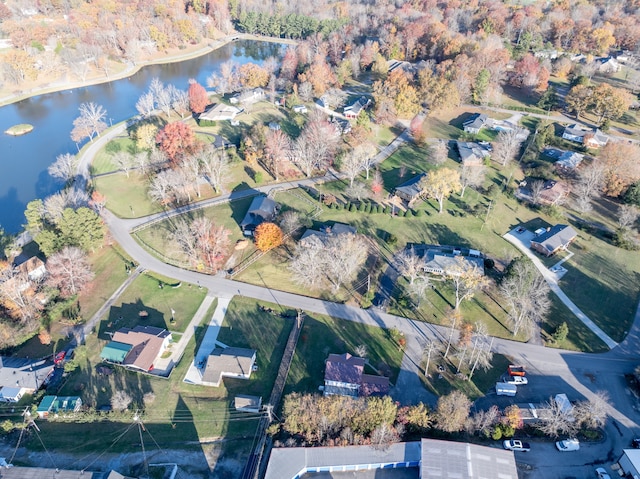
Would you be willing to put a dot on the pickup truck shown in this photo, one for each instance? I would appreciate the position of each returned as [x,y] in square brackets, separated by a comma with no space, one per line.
[515,445]
[516,370]
[517,380]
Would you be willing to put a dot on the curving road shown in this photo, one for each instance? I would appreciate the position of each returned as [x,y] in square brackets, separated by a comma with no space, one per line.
[551,370]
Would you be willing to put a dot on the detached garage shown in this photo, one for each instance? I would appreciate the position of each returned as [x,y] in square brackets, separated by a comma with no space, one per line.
[630,463]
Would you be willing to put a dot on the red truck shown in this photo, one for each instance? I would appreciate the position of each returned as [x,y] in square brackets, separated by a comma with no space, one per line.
[516,370]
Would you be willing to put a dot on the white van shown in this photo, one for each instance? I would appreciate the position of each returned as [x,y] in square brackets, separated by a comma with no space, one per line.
[506,389]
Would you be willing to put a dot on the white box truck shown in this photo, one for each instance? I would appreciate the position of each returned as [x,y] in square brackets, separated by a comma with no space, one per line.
[506,389]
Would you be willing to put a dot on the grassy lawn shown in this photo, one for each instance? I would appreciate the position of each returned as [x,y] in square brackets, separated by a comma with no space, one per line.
[322,335]
[181,413]
[158,237]
[448,124]
[446,381]
[126,197]
[144,294]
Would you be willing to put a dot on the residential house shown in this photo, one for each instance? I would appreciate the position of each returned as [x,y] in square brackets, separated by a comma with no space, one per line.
[262,209]
[247,403]
[445,260]
[629,463]
[568,160]
[590,138]
[318,238]
[219,112]
[137,348]
[20,376]
[429,458]
[342,126]
[300,109]
[608,65]
[552,192]
[344,375]
[56,405]
[230,363]
[353,110]
[248,97]
[475,123]
[410,190]
[33,267]
[505,125]
[554,239]
[473,154]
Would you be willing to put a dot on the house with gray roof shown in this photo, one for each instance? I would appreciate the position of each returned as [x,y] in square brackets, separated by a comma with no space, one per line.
[431,458]
[475,123]
[444,260]
[230,363]
[319,238]
[353,110]
[410,190]
[569,160]
[20,376]
[471,153]
[593,138]
[554,239]
[262,209]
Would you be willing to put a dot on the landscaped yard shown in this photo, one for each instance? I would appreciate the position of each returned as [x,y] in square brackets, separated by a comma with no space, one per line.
[322,335]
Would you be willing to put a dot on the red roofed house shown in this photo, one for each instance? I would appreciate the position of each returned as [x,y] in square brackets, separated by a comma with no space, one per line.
[344,375]
[148,342]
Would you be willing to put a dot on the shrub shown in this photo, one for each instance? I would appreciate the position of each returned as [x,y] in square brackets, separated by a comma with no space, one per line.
[258,177]
[401,213]
[489,263]
[418,213]
[496,435]
[392,239]
[352,207]
[367,208]
[561,332]
[386,210]
[362,206]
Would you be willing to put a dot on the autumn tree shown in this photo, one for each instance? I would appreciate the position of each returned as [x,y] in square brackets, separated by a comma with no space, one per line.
[19,301]
[608,102]
[203,242]
[69,270]
[440,184]
[198,97]
[622,166]
[18,66]
[277,150]
[398,90]
[253,76]
[452,412]
[526,295]
[175,140]
[145,136]
[578,99]
[268,236]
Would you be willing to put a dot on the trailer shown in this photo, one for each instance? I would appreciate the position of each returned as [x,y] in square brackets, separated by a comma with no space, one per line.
[506,389]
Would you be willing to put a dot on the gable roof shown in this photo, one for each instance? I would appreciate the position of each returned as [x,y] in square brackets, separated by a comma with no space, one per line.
[471,152]
[411,187]
[556,237]
[318,238]
[262,209]
[574,130]
[23,373]
[56,403]
[344,368]
[569,160]
[223,361]
[475,121]
[219,112]
[146,341]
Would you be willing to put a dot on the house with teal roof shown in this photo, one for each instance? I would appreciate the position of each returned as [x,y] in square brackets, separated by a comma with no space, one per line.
[58,405]
[115,352]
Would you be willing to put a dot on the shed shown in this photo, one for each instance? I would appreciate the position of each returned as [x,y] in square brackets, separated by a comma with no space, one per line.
[247,403]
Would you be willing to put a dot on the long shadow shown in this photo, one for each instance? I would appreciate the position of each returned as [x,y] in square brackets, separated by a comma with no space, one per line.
[129,315]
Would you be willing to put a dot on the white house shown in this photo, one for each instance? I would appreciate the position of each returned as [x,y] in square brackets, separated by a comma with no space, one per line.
[220,112]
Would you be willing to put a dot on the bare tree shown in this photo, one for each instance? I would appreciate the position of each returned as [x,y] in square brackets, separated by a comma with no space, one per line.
[627,216]
[92,118]
[358,191]
[526,295]
[277,150]
[431,348]
[307,266]
[482,421]
[163,99]
[160,189]
[353,163]
[452,411]
[123,161]
[437,153]
[506,146]
[17,295]
[64,167]
[481,354]
[316,145]
[185,239]
[383,436]
[141,161]
[69,270]
[290,221]
[466,279]
[146,104]
[471,175]
[558,420]
[592,413]
[215,163]
[361,351]
[410,264]
[589,184]
[419,288]
[179,101]
[537,187]
[120,400]
[345,254]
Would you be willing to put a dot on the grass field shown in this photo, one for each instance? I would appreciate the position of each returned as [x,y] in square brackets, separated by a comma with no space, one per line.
[322,335]
[180,415]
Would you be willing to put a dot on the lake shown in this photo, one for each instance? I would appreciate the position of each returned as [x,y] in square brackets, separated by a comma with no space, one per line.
[24,159]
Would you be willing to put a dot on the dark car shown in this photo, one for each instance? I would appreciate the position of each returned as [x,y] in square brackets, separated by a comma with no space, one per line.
[635,443]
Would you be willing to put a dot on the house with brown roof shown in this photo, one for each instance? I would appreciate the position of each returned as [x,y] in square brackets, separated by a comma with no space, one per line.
[554,239]
[137,348]
[344,376]
[229,363]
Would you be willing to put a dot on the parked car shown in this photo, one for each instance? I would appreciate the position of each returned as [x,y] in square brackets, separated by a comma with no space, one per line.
[602,473]
[568,445]
[59,358]
[635,443]
[300,109]
[517,380]
[515,445]
[514,370]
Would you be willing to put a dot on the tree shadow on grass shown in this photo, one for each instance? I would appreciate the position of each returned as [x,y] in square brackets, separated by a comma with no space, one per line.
[129,315]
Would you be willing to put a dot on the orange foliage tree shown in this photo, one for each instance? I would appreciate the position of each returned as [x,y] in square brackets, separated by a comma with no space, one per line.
[268,236]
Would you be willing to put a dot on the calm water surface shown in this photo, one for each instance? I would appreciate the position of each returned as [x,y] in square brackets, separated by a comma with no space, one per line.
[24,159]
